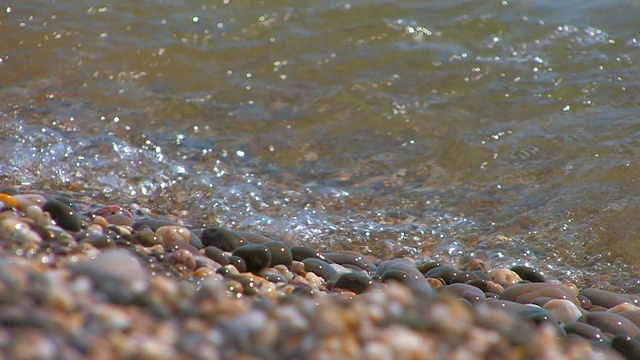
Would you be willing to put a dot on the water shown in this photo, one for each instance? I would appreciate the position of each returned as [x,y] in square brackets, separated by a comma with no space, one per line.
[436,130]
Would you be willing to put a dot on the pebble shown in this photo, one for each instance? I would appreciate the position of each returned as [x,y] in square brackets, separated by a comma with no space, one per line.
[627,346]
[528,273]
[320,268]
[355,282]
[117,273]
[505,277]
[8,200]
[445,272]
[585,331]
[238,263]
[605,298]
[299,253]
[564,310]
[173,233]
[280,253]
[223,239]
[351,258]
[63,215]
[526,292]
[216,255]
[611,323]
[26,200]
[255,256]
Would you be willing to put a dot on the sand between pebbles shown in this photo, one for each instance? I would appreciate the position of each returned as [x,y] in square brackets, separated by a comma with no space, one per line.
[113,282]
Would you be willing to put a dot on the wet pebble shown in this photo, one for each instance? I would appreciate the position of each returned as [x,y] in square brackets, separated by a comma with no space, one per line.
[564,310]
[633,315]
[216,255]
[611,323]
[605,298]
[26,200]
[320,268]
[356,282]
[173,233]
[465,291]
[273,276]
[627,346]
[117,273]
[146,237]
[351,258]
[223,239]
[445,272]
[528,273]
[256,256]
[526,292]
[299,253]
[238,263]
[505,277]
[280,253]
[63,215]
[585,331]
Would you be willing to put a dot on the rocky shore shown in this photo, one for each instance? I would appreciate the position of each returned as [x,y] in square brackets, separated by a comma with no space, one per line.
[116,282]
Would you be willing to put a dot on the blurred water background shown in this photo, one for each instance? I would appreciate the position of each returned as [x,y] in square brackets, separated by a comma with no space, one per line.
[505,130]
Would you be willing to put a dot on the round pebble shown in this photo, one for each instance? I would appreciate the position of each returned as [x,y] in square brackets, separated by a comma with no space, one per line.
[256,256]
[223,239]
[216,255]
[445,272]
[356,282]
[280,253]
[320,268]
[611,323]
[564,310]
[63,215]
[117,273]
[528,273]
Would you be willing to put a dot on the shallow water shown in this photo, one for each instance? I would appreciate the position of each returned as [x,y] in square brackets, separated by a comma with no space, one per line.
[437,130]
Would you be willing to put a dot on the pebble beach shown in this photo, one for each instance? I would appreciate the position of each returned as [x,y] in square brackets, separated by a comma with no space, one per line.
[118,282]
[346,179]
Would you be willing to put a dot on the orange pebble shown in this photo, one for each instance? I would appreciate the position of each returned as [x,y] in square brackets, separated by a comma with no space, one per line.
[204,272]
[8,200]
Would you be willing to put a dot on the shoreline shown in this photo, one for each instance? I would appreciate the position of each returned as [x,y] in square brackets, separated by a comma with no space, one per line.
[113,283]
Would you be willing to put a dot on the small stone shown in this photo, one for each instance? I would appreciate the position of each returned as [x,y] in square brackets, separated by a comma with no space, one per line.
[356,282]
[445,272]
[8,200]
[146,237]
[119,219]
[505,277]
[584,331]
[606,298]
[173,233]
[280,253]
[183,256]
[238,263]
[627,346]
[564,310]
[273,276]
[117,273]
[320,268]
[216,255]
[299,253]
[528,273]
[26,200]
[611,323]
[64,216]
[525,293]
[223,239]
[351,258]
[256,256]
[622,308]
